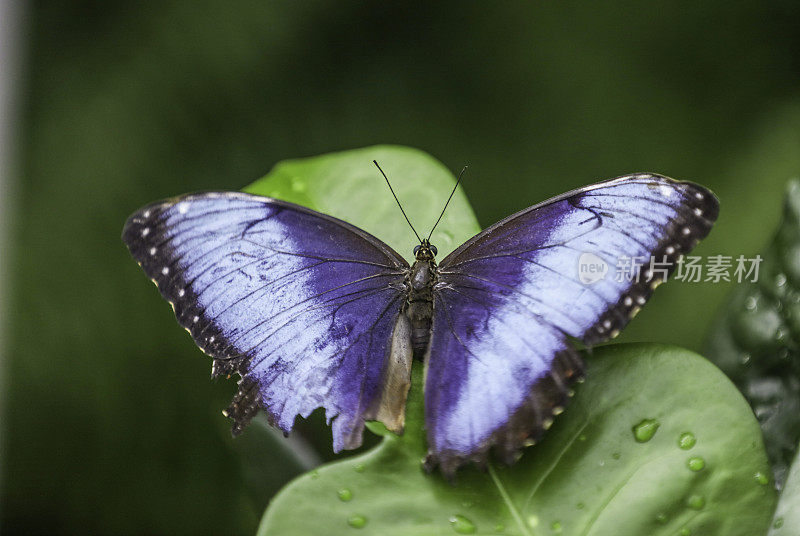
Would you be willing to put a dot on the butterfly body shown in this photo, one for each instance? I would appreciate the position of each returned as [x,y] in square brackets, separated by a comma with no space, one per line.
[421,280]
[311,311]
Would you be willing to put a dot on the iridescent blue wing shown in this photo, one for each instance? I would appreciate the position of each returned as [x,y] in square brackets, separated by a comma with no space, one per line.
[301,305]
[507,301]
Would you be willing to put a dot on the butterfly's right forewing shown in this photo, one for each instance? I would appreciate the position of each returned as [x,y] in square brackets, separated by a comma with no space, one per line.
[507,302]
[304,307]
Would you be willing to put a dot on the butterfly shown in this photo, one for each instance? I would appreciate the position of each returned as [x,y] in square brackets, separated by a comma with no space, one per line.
[311,311]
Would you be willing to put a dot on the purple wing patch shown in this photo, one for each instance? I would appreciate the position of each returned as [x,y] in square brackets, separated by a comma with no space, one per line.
[301,305]
[506,302]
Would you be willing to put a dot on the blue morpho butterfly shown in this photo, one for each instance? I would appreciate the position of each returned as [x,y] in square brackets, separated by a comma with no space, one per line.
[313,312]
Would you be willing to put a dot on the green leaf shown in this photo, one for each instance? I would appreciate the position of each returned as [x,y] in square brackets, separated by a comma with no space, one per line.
[756,339]
[589,476]
[787,516]
[347,185]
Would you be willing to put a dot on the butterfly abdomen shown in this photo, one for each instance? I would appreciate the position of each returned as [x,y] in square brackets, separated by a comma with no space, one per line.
[419,305]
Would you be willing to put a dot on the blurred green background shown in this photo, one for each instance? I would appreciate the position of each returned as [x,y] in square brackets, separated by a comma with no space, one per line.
[110,422]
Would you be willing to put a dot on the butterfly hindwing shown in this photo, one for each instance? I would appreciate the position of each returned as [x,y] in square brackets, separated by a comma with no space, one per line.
[304,307]
[507,301]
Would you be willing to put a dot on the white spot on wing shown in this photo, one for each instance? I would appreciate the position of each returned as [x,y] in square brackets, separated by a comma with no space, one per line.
[183,208]
[146,231]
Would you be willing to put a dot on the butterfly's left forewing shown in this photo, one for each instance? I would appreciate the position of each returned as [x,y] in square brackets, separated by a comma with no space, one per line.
[506,303]
[301,305]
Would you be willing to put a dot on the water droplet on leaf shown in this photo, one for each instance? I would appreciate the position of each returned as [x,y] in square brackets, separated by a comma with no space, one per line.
[645,430]
[696,502]
[616,455]
[462,525]
[556,526]
[778,523]
[357,521]
[696,463]
[687,440]
[662,518]
[344,494]
[761,478]
[359,468]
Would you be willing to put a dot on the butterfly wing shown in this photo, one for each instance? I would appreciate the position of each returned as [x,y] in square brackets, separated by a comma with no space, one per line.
[506,302]
[304,307]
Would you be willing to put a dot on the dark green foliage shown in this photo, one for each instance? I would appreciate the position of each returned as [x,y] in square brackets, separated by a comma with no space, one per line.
[756,339]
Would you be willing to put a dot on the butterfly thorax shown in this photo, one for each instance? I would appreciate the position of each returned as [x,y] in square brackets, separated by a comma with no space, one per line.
[419,298]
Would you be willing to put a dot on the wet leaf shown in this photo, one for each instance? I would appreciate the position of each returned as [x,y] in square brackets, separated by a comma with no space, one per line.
[589,476]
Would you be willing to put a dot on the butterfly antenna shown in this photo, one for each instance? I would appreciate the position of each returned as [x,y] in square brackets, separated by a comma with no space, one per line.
[458,181]
[395,198]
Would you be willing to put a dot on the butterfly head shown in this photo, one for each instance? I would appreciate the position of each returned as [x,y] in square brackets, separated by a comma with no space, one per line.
[425,251]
